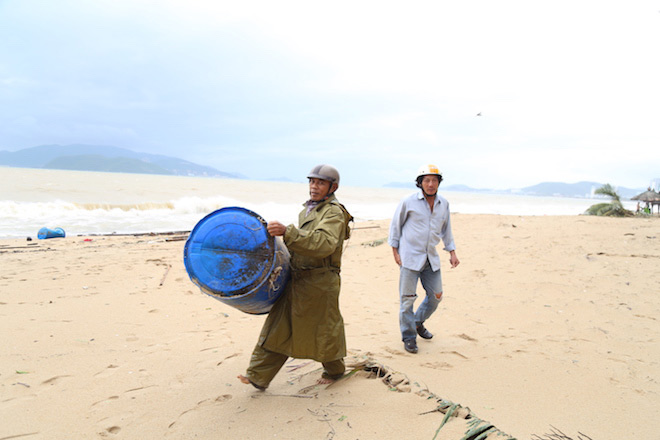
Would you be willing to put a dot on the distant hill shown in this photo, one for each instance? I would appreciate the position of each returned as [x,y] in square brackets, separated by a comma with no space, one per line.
[546,189]
[105,158]
[94,162]
[400,185]
[580,189]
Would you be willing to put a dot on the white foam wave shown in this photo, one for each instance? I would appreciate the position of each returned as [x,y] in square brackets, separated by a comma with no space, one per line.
[20,219]
[26,218]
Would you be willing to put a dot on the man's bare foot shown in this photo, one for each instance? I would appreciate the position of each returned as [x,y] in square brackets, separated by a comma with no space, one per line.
[247,381]
[324,381]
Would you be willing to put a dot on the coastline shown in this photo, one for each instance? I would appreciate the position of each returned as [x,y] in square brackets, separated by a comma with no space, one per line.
[548,321]
[89,203]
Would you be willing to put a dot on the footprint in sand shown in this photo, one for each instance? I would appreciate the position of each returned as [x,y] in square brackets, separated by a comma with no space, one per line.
[393,351]
[455,353]
[438,365]
[105,400]
[227,357]
[220,399]
[109,371]
[53,380]
[479,273]
[112,425]
[113,430]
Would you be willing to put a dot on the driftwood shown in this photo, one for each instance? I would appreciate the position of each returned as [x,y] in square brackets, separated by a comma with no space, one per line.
[137,234]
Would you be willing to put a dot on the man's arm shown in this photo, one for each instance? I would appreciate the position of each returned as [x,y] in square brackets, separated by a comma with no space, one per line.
[396,225]
[397,257]
[453,259]
[322,240]
[275,228]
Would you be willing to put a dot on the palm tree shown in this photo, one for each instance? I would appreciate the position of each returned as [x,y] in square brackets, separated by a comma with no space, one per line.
[613,209]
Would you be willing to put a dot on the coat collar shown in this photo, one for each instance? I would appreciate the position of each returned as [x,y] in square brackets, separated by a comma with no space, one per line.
[312,214]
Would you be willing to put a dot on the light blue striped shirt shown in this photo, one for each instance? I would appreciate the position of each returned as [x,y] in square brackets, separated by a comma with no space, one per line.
[416,231]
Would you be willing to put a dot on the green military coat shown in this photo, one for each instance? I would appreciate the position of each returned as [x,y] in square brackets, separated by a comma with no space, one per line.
[305,322]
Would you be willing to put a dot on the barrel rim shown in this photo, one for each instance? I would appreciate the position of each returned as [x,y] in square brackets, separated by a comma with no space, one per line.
[188,264]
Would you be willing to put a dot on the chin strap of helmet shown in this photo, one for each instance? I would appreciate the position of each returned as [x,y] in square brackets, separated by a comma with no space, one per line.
[330,191]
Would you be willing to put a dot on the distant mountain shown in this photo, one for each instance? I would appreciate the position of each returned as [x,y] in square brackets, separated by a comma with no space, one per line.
[279,179]
[546,189]
[105,158]
[400,185]
[94,162]
[579,189]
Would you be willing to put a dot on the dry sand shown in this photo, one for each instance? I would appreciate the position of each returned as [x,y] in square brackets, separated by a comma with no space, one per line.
[548,321]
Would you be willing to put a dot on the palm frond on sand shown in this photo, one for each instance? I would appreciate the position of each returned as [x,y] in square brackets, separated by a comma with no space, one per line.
[556,434]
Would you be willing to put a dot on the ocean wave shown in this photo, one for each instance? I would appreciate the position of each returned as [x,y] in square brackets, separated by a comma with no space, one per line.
[26,218]
[136,206]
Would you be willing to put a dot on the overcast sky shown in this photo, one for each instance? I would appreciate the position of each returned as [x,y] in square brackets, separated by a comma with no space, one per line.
[566,90]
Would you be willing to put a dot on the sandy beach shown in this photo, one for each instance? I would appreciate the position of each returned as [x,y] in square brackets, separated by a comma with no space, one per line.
[548,322]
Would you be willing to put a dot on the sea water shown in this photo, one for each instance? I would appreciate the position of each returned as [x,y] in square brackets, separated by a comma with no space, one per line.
[82,202]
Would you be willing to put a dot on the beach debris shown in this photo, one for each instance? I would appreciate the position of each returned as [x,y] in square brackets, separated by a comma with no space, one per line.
[477,429]
[556,434]
[169,266]
[301,396]
[375,243]
[141,234]
[291,368]
[176,239]
[365,366]
[45,233]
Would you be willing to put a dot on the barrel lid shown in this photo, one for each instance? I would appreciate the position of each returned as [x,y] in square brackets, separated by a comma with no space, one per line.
[229,252]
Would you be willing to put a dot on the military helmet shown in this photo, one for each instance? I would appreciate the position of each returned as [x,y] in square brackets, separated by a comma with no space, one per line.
[325,172]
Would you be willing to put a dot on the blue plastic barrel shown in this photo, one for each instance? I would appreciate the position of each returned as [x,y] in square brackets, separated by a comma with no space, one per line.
[50,233]
[232,258]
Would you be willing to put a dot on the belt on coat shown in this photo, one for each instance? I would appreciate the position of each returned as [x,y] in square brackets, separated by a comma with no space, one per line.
[304,273]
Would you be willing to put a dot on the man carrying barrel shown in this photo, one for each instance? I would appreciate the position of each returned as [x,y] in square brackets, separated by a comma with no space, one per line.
[305,322]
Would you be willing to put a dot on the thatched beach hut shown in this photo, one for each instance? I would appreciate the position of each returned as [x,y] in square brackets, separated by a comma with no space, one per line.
[650,197]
